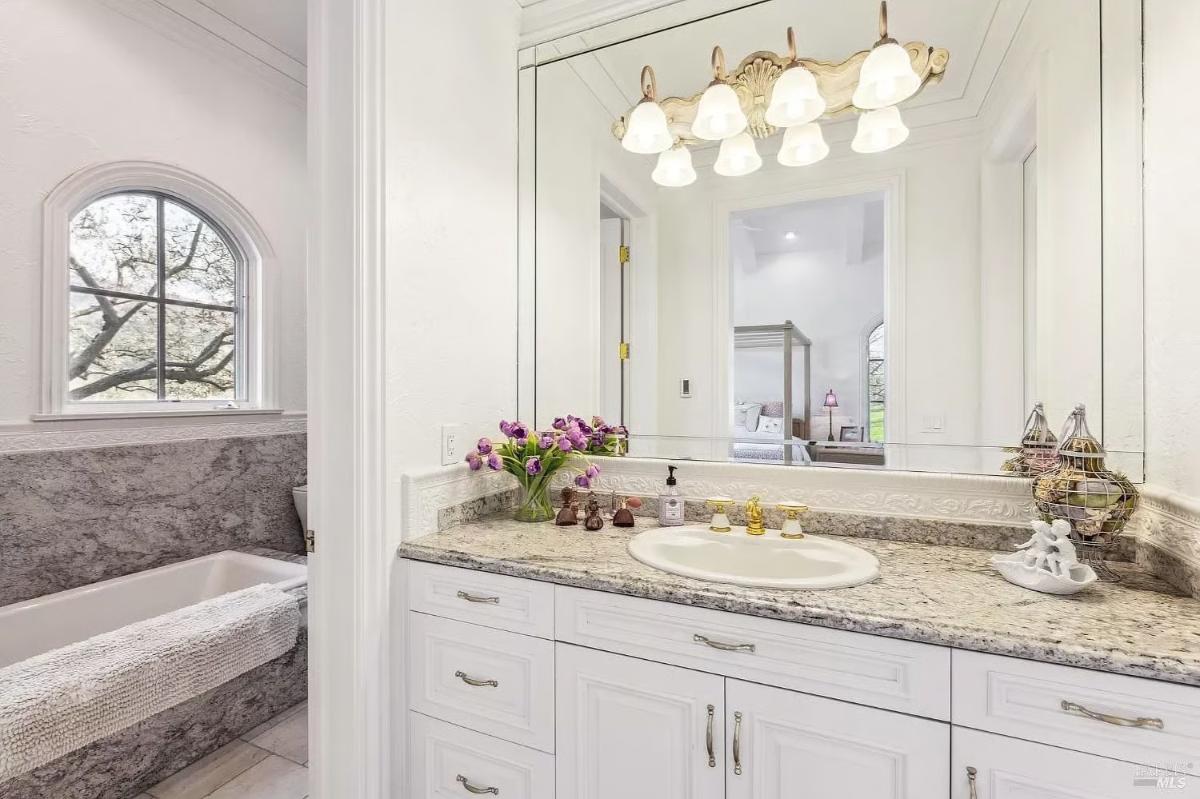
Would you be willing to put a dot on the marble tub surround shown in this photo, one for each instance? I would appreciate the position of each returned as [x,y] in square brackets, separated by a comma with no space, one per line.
[946,595]
[71,517]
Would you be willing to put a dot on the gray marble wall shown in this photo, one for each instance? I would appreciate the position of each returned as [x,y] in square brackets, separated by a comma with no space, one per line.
[72,517]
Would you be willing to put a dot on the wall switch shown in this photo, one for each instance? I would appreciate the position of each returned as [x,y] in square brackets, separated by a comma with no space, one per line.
[453,444]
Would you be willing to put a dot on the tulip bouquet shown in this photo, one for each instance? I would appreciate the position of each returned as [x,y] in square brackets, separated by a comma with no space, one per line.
[534,457]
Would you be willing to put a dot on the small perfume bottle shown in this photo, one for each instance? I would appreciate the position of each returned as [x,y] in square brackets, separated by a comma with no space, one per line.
[670,503]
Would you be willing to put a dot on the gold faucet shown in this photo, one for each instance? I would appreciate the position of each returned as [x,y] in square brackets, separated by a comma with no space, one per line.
[754,517]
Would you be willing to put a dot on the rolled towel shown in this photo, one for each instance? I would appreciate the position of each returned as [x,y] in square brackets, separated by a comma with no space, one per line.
[59,701]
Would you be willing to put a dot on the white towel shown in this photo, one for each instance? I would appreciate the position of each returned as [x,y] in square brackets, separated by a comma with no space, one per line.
[59,701]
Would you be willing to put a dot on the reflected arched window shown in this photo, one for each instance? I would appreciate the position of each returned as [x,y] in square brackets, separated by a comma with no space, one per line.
[876,385]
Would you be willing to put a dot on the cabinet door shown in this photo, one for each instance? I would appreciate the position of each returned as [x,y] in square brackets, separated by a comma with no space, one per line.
[631,729]
[784,745]
[1007,768]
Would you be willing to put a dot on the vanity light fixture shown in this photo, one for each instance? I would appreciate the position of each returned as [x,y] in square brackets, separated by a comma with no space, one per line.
[648,133]
[879,130]
[719,115]
[887,76]
[795,99]
[803,145]
[674,168]
[738,156]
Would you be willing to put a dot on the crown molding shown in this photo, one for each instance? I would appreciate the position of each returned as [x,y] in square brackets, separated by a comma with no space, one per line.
[197,26]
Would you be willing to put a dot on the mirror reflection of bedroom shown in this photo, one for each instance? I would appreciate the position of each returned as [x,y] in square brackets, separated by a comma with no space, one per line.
[809,373]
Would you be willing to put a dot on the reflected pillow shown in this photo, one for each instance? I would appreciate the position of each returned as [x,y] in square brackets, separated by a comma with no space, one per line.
[770,424]
[745,415]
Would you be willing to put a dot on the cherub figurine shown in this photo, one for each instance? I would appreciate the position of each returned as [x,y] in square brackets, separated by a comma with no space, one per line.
[1050,548]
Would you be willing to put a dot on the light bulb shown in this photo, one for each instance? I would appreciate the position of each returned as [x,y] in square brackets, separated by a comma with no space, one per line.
[647,132]
[674,168]
[738,156]
[886,78]
[803,145]
[879,130]
[719,114]
[795,99]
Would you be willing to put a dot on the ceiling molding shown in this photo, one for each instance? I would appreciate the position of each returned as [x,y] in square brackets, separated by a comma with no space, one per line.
[545,20]
[194,24]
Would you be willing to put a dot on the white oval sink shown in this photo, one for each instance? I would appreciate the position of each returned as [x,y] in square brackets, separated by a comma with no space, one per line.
[763,561]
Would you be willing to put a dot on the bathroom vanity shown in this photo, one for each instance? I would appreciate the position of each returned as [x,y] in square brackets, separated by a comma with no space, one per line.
[544,662]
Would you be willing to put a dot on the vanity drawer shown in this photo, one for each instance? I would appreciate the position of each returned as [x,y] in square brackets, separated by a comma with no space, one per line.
[1025,699]
[494,682]
[871,670]
[493,600]
[448,761]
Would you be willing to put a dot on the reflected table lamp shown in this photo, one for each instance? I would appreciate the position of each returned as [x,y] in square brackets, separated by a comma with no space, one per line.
[831,403]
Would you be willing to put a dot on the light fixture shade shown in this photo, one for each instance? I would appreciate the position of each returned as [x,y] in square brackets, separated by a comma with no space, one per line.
[674,168]
[831,400]
[719,114]
[738,156]
[647,132]
[887,78]
[803,145]
[795,99]
[879,130]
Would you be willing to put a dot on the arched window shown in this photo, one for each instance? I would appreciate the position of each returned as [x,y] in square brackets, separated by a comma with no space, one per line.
[155,302]
[160,295]
[876,385]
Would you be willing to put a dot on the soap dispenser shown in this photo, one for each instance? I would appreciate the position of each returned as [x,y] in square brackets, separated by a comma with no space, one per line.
[670,503]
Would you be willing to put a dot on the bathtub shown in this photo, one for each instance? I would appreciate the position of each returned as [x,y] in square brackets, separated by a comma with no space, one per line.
[49,622]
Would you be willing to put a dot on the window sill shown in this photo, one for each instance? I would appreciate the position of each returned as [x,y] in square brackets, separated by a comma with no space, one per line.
[176,414]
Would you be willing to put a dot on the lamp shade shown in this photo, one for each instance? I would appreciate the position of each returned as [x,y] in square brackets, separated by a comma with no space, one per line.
[886,78]
[738,156]
[803,145]
[647,132]
[795,99]
[719,114]
[674,168]
[831,399]
[879,130]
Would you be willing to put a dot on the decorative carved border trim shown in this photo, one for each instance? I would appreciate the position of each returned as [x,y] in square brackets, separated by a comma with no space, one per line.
[34,441]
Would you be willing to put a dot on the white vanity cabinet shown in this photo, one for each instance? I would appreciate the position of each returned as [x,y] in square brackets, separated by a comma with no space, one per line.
[518,688]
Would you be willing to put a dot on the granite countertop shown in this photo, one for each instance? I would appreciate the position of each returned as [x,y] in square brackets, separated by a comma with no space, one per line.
[936,594]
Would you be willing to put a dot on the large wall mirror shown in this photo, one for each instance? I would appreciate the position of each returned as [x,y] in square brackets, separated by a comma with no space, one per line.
[893,261]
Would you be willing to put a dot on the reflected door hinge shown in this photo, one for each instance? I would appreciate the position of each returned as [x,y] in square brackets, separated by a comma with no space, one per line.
[310,541]
[624,254]
[623,351]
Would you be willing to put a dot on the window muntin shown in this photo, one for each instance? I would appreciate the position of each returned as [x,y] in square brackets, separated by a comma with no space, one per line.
[155,303]
[876,386]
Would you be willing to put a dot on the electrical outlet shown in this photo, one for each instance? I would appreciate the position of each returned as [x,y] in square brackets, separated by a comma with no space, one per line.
[453,444]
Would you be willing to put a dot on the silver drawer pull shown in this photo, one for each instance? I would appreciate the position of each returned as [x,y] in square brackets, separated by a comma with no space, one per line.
[971,775]
[724,647]
[708,738]
[1071,707]
[462,675]
[737,744]
[466,783]
[482,600]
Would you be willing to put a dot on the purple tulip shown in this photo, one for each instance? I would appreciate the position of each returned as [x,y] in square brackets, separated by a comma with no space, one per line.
[598,422]
[520,430]
[584,428]
[565,444]
[593,471]
[521,442]
[559,423]
[583,482]
[474,461]
[507,429]
[533,466]
[484,446]
[495,462]
[546,441]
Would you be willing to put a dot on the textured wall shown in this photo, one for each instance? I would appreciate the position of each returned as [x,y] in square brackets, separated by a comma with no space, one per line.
[72,517]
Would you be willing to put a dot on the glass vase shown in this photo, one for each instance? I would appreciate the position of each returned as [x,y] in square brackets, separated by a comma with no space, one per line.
[535,503]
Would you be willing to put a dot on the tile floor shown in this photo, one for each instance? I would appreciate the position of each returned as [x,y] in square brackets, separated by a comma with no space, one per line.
[269,762]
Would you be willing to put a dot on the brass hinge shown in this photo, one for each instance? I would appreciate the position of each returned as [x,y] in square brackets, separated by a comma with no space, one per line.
[310,541]
[623,255]
[623,351]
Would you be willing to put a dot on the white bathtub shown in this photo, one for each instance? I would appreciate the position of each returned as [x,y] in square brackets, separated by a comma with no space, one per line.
[49,622]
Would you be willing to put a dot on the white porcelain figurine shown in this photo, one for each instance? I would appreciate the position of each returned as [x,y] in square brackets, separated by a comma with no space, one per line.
[1047,562]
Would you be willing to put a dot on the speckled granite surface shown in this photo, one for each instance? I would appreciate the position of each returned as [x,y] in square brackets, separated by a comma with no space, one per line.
[936,594]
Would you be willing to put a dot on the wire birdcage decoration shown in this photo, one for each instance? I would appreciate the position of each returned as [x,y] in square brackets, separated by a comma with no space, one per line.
[1095,501]
[1039,447]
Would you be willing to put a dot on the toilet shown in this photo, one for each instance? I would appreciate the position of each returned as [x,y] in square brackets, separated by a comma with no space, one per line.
[300,497]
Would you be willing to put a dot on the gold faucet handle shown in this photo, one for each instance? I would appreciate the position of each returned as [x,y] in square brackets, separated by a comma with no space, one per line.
[720,519]
[792,529]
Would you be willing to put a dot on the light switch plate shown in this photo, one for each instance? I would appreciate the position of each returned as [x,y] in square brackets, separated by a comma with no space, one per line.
[453,444]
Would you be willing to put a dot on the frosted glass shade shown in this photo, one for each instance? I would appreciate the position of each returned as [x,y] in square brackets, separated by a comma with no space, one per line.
[887,78]
[795,99]
[803,145]
[647,132]
[738,156]
[879,130]
[719,114]
[674,168]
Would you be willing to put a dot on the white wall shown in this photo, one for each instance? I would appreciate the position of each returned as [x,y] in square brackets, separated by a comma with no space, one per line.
[81,85]
[1172,204]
